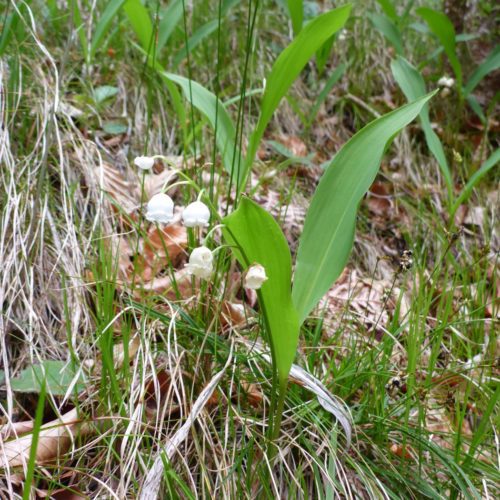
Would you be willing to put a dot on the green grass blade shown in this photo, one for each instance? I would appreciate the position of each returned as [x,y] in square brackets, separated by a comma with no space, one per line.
[336,75]
[389,9]
[260,240]
[138,17]
[170,20]
[413,86]
[197,37]
[442,27]
[389,30]
[476,107]
[207,103]
[102,26]
[491,162]
[491,63]
[296,11]
[286,69]
[328,232]
[30,473]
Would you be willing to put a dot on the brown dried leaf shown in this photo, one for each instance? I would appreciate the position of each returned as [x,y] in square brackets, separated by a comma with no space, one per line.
[379,200]
[16,428]
[231,315]
[400,451]
[252,393]
[124,190]
[366,301]
[53,441]
[164,285]
[154,183]
[171,241]
[294,144]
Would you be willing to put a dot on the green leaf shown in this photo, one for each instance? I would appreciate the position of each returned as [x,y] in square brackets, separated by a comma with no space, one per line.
[169,21]
[389,30]
[491,162]
[328,233]
[59,376]
[138,17]
[476,107]
[114,128]
[194,40]
[442,27]
[413,86]
[260,240]
[491,63]
[102,26]
[389,9]
[288,67]
[208,104]
[336,75]
[296,10]
[104,92]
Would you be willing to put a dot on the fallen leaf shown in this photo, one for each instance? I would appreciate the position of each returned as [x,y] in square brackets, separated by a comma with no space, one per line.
[400,451]
[15,429]
[165,285]
[252,393]
[231,315]
[124,190]
[294,144]
[170,241]
[379,200]
[54,440]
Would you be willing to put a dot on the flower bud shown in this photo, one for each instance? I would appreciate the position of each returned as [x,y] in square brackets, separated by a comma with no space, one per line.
[196,214]
[160,208]
[255,277]
[201,262]
[144,162]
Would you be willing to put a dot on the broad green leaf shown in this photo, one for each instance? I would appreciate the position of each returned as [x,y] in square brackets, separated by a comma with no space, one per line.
[413,86]
[138,17]
[286,69]
[115,128]
[389,30]
[208,104]
[296,10]
[328,233]
[104,92]
[491,162]
[491,63]
[59,376]
[103,23]
[259,239]
[442,27]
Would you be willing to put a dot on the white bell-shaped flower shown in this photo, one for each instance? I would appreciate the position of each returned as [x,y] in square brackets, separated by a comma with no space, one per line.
[201,263]
[446,82]
[196,214]
[255,277]
[160,209]
[144,162]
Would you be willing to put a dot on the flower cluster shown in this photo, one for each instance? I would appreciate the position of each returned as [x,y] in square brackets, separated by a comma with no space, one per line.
[160,209]
[446,83]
